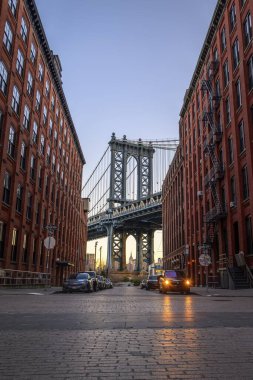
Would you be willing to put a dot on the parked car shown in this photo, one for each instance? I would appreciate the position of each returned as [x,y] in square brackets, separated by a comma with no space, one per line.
[143,284]
[152,282]
[108,283]
[174,281]
[80,282]
[101,282]
[93,276]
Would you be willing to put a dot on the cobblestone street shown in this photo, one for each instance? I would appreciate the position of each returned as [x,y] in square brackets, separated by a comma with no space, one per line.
[125,333]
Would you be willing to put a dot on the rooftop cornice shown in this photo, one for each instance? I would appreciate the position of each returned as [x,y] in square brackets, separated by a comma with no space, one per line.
[35,18]
[218,12]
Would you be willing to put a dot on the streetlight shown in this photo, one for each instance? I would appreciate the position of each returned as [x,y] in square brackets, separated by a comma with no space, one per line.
[100,250]
[96,244]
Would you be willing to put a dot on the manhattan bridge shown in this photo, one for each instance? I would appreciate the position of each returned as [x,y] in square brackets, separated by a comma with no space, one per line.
[125,197]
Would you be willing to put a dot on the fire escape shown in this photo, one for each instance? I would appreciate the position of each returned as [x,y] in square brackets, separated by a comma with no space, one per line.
[216,172]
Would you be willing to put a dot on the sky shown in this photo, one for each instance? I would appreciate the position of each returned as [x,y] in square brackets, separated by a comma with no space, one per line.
[126,66]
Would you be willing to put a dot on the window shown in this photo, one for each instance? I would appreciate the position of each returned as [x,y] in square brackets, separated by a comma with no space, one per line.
[228,112]
[241,137]
[60,147]
[50,127]
[29,206]
[225,74]
[23,156]
[13,6]
[32,167]
[41,71]
[53,163]
[52,103]
[19,198]
[8,37]
[11,142]
[47,89]
[48,154]
[20,63]
[14,245]
[249,237]
[40,176]
[44,115]
[247,30]
[3,78]
[46,184]
[242,2]
[236,57]
[15,100]
[29,83]
[25,250]
[223,39]
[37,213]
[217,88]
[1,122]
[37,102]
[7,188]
[250,72]
[35,132]
[233,189]
[33,53]
[55,137]
[245,183]
[42,144]
[238,93]
[230,150]
[232,17]
[23,30]
[26,119]
[2,238]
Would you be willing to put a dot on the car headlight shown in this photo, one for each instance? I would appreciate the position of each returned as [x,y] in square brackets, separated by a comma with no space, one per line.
[188,282]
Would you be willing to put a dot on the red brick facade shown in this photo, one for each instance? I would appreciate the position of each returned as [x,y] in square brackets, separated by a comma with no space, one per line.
[41,158]
[216,134]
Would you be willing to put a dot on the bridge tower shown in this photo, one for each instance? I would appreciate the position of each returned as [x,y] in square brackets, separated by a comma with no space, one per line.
[121,151]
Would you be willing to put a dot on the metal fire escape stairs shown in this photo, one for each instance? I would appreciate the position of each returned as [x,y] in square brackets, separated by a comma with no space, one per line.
[213,138]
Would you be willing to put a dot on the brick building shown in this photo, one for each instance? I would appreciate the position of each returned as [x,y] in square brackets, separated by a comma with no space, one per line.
[41,157]
[216,135]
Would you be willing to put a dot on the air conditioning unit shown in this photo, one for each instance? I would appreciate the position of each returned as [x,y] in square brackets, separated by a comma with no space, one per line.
[232,204]
[200,193]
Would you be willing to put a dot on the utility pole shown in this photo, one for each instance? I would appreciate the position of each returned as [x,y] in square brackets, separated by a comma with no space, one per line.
[95,261]
[100,249]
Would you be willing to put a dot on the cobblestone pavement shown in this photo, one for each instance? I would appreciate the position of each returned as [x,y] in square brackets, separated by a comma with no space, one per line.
[125,333]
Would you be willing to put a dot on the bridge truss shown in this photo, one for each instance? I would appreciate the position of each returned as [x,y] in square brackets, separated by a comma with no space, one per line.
[125,197]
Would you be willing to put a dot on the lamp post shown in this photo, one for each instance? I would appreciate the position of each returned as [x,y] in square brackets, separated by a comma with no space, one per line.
[100,251]
[96,244]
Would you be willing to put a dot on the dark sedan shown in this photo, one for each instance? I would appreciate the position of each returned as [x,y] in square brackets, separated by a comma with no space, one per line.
[152,282]
[174,281]
[78,282]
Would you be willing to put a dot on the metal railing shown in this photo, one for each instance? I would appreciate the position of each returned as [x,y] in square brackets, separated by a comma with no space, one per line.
[18,278]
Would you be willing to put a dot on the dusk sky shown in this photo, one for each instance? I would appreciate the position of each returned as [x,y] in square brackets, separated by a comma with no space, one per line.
[126,64]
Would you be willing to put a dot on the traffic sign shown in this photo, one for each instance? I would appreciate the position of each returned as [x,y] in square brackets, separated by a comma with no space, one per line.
[205,260]
[49,242]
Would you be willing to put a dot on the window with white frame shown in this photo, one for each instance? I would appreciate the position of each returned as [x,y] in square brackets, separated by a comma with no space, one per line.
[8,37]
[23,156]
[35,132]
[26,118]
[52,103]
[223,39]
[15,99]
[20,63]
[53,163]
[238,93]
[33,53]
[19,196]
[13,6]
[48,154]
[50,127]
[42,144]
[40,72]
[32,167]
[11,142]
[55,137]
[241,136]
[232,17]
[247,29]
[29,83]
[23,30]
[3,78]
[7,188]
[44,115]
[236,56]
[60,146]
[37,101]
[47,89]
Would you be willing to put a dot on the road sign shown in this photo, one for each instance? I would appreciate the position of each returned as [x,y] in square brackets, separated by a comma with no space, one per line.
[51,227]
[204,260]
[49,242]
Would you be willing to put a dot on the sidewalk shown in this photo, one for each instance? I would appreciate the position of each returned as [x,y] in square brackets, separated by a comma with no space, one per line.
[29,291]
[211,292]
